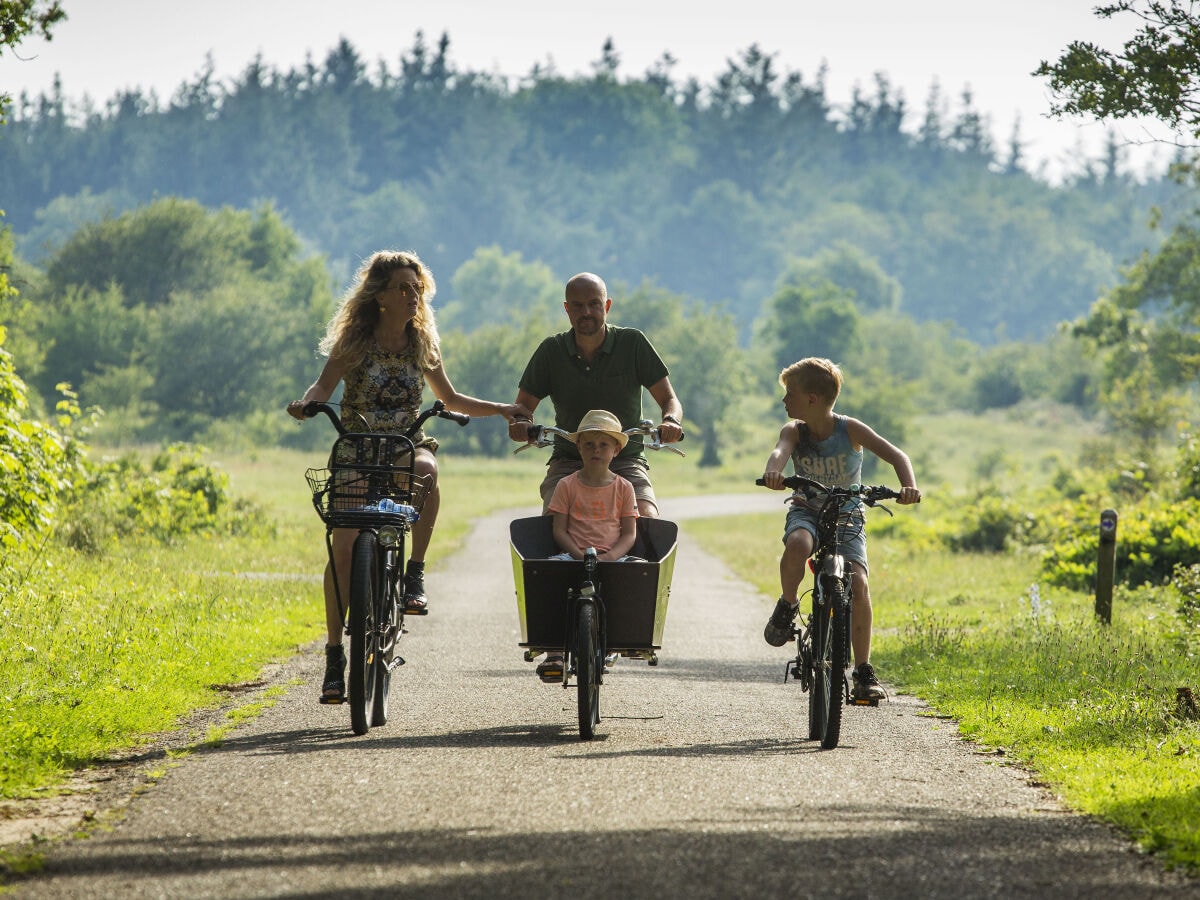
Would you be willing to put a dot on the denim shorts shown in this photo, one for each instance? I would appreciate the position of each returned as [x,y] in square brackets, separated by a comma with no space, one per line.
[853,536]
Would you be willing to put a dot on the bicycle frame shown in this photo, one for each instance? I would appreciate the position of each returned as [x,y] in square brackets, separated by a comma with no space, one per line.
[370,486]
[588,592]
[823,646]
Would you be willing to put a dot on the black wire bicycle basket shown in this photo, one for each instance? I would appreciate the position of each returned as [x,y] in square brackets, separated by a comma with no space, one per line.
[369,482]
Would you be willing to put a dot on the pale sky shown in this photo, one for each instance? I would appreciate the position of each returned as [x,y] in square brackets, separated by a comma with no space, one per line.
[987,46]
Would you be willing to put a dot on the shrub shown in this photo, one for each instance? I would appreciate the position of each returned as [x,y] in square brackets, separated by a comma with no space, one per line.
[990,524]
[174,495]
[1186,580]
[1152,540]
[37,464]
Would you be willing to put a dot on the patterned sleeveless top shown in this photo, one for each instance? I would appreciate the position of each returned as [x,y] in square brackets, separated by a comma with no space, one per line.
[833,461]
[385,389]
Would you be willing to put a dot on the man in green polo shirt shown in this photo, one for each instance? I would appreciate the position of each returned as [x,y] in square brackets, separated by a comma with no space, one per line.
[597,366]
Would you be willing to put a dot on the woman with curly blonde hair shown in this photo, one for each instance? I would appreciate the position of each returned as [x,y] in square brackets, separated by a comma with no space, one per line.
[383,343]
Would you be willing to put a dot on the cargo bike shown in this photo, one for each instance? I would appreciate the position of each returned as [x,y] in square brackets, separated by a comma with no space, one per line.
[589,610]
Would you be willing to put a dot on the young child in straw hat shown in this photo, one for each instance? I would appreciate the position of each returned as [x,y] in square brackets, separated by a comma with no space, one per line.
[593,507]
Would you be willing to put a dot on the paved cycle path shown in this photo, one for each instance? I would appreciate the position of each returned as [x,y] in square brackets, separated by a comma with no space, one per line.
[699,783]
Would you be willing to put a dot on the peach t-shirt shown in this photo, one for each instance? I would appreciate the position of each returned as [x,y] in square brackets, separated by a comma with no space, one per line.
[594,514]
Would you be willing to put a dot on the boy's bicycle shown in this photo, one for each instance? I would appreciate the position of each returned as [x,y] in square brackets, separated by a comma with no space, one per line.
[592,611]
[823,638]
[370,485]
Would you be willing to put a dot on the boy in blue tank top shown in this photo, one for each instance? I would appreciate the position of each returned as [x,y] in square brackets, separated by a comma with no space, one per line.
[828,448]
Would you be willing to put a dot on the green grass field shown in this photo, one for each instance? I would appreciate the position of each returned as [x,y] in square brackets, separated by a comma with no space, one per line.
[104,653]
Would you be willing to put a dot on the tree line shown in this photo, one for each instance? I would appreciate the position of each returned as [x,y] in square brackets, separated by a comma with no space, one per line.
[710,191]
[181,322]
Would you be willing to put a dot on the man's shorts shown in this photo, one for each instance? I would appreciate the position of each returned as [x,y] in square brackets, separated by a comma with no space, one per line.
[631,470]
[853,535]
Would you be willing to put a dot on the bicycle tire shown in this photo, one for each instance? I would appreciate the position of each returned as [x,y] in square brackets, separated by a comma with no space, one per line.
[363,635]
[387,610]
[828,660]
[587,669]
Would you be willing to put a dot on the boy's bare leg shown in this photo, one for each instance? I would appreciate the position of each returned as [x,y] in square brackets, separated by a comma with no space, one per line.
[796,550]
[866,684]
[860,618]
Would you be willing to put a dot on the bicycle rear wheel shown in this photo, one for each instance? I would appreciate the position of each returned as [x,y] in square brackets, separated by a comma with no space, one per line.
[587,668]
[829,637]
[364,657]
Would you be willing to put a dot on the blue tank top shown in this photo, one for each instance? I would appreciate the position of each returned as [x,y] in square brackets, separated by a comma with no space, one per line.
[833,461]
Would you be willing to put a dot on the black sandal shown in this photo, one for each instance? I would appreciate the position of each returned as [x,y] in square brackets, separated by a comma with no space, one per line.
[333,690]
[415,601]
[550,669]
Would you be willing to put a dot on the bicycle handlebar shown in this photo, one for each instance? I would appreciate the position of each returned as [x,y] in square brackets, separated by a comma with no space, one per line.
[870,494]
[543,436]
[312,407]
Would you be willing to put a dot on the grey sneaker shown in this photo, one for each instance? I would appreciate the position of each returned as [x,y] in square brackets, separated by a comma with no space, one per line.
[866,685]
[779,628]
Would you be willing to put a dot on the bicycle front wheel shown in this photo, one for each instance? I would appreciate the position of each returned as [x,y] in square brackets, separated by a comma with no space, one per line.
[363,634]
[587,668]
[387,613]
[829,637]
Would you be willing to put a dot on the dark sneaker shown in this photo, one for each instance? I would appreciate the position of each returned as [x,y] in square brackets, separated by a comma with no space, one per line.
[779,629]
[415,601]
[866,685]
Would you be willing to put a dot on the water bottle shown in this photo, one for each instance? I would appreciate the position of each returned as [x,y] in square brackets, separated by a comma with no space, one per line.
[388,505]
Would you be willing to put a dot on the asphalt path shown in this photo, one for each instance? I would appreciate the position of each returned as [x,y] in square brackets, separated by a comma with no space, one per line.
[699,784]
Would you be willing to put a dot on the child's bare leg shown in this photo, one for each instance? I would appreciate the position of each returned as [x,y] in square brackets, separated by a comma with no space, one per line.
[866,683]
[860,617]
[797,547]
[796,550]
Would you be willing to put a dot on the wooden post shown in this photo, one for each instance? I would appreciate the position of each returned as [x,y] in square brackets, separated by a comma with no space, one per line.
[1106,565]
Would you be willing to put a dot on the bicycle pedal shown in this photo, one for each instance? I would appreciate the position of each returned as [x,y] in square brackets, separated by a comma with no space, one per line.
[331,701]
[862,701]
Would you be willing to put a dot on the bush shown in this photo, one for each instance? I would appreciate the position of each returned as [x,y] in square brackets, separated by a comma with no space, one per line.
[175,495]
[991,524]
[37,464]
[1152,540]
[1186,580]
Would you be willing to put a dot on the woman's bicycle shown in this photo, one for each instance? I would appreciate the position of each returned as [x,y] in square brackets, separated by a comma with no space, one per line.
[592,611]
[823,637]
[370,485]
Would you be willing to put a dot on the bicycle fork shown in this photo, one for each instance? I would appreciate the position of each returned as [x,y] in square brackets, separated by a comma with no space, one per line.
[577,598]
[391,622]
[833,567]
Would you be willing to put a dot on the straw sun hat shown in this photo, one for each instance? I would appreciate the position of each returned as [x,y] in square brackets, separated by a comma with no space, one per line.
[603,421]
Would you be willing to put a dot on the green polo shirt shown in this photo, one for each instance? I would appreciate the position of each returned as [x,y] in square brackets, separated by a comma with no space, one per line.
[626,363]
